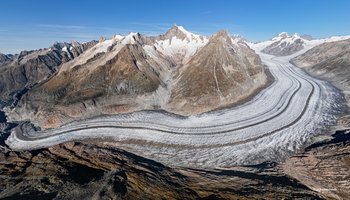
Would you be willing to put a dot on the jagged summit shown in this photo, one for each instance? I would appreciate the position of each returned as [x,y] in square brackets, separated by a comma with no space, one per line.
[225,37]
[222,33]
[180,33]
[178,43]
[175,31]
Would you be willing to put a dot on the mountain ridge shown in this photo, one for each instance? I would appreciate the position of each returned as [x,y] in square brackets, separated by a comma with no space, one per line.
[136,72]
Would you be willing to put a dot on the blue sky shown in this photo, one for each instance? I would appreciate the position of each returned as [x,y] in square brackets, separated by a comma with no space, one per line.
[39,23]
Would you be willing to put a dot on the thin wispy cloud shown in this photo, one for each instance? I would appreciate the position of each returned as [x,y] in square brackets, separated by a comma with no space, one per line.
[54,28]
[59,26]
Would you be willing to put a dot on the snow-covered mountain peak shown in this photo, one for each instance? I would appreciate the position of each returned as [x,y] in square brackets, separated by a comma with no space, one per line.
[281,45]
[117,37]
[296,35]
[181,33]
[280,36]
[175,31]
[179,43]
[131,38]
[283,35]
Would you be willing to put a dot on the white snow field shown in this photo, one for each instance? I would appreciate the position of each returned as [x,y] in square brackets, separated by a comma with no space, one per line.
[280,120]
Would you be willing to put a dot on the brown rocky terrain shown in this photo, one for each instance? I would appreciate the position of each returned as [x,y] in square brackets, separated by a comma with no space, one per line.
[221,73]
[92,170]
[324,166]
[108,83]
[330,60]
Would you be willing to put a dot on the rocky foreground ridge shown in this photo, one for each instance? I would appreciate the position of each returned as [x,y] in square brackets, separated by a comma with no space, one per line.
[88,170]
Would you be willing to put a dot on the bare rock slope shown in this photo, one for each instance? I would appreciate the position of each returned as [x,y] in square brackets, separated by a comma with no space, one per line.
[107,82]
[329,60]
[224,71]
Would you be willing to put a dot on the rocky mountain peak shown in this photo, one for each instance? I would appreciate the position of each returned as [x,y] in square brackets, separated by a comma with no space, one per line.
[75,43]
[222,35]
[176,31]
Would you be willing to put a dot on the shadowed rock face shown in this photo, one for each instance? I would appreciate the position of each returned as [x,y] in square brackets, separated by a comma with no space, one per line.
[27,69]
[95,171]
[4,58]
[222,72]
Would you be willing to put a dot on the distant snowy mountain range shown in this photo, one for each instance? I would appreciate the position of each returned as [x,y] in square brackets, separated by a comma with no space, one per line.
[284,44]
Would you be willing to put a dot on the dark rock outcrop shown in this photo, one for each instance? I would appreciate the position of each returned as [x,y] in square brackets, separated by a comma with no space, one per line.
[4,58]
